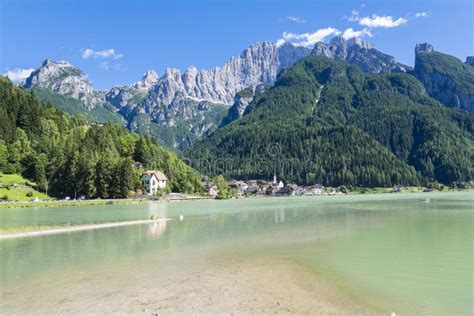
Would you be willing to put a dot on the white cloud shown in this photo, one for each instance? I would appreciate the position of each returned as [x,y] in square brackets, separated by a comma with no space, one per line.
[104,65]
[421,15]
[18,74]
[382,21]
[307,39]
[106,53]
[296,19]
[280,42]
[354,17]
[350,33]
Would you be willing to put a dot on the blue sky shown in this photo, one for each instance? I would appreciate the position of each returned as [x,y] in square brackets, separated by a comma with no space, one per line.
[115,42]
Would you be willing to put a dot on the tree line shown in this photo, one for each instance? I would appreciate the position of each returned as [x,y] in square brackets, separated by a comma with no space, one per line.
[67,156]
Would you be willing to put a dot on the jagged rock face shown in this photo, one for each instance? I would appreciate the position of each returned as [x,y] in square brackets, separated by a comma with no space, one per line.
[445,77]
[65,79]
[260,63]
[126,100]
[288,54]
[356,51]
[242,100]
[423,48]
[150,78]
[193,100]
[189,101]
[470,60]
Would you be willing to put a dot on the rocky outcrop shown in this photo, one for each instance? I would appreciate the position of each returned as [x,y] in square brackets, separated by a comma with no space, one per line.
[288,54]
[446,78]
[470,60]
[242,100]
[423,48]
[65,79]
[126,100]
[356,51]
[260,63]
[150,78]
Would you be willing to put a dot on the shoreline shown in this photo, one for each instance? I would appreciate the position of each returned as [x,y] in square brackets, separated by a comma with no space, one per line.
[61,203]
[250,286]
[179,197]
[76,228]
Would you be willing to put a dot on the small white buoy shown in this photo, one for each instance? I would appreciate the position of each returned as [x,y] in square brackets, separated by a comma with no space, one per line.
[181,218]
[393,314]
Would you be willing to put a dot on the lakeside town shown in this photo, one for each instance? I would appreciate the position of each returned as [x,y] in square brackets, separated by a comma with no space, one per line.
[155,186]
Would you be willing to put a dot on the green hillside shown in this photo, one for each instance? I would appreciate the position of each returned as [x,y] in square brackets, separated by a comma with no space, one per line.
[70,157]
[14,187]
[101,113]
[446,79]
[328,122]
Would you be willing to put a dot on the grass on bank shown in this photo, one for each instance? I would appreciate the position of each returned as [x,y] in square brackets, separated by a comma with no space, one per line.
[61,203]
[14,187]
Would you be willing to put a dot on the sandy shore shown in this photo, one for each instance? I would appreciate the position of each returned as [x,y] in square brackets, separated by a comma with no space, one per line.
[75,228]
[196,286]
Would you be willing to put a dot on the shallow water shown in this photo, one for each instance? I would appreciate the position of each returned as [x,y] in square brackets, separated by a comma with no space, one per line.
[390,252]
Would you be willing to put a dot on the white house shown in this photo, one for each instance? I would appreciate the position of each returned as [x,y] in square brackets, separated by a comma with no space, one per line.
[153,180]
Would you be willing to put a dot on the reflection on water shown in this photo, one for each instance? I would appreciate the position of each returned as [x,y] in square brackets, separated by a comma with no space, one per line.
[386,249]
[157,228]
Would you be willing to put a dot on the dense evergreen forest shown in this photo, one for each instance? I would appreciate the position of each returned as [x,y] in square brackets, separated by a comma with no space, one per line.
[327,122]
[66,156]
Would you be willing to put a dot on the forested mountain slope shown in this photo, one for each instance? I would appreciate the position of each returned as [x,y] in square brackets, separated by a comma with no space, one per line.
[445,77]
[70,157]
[328,122]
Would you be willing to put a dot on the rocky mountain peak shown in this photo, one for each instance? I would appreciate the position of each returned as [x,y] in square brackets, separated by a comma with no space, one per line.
[446,78]
[257,64]
[344,43]
[150,75]
[357,41]
[51,63]
[470,60]
[149,79]
[423,48]
[358,52]
[65,79]
[288,54]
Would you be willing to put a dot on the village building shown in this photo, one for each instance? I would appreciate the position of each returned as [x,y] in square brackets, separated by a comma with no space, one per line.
[212,191]
[251,190]
[239,186]
[210,188]
[152,181]
[277,185]
[252,183]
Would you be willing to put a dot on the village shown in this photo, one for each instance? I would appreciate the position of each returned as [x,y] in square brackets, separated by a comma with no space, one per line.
[271,188]
[155,181]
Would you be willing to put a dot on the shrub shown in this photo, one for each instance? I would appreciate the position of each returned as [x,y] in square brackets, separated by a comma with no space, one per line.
[160,192]
[29,194]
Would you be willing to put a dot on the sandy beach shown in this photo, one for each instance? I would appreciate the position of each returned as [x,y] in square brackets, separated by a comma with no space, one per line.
[237,287]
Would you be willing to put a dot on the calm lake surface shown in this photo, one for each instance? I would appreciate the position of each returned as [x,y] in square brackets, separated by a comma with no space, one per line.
[388,251]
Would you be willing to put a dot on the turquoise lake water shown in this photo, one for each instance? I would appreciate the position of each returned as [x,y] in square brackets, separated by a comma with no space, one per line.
[389,251]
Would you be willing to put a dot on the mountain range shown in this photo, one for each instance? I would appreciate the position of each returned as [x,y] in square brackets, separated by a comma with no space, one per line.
[176,108]
[327,121]
[181,110]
